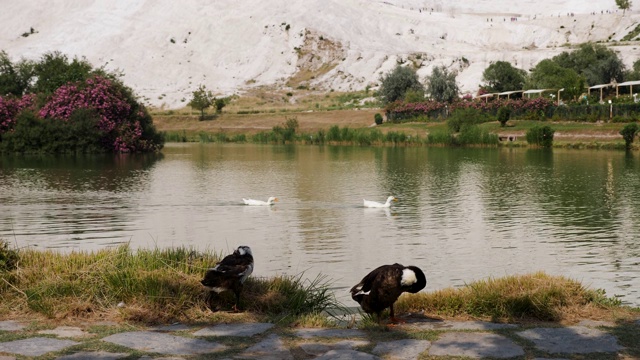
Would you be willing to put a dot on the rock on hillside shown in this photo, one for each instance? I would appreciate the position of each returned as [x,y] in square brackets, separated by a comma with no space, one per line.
[166,49]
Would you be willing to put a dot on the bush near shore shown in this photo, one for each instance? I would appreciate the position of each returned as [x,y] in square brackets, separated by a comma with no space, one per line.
[162,286]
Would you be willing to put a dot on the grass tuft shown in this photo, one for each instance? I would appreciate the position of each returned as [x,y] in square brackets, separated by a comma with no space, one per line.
[145,286]
[528,297]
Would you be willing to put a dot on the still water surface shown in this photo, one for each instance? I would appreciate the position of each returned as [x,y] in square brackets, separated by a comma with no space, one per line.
[462,215]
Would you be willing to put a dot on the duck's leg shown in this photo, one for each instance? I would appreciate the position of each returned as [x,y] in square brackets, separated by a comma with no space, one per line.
[392,316]
[237,291]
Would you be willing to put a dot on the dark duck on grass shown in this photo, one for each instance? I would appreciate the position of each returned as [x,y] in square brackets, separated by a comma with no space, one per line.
[383,286]
[229,274]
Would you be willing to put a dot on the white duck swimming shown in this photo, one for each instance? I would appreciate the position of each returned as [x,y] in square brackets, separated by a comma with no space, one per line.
[374,204]
[269,201]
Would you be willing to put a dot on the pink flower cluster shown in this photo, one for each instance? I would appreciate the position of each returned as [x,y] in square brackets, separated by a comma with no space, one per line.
[421,107]
[525,105]
[96,93]
[117,118]
[9,109]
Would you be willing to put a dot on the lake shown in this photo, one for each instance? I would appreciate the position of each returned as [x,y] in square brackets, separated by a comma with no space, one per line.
[463,214]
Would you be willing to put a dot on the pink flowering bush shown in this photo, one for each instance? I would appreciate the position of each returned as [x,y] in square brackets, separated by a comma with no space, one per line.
[433,109]
[126,126]
[9,109]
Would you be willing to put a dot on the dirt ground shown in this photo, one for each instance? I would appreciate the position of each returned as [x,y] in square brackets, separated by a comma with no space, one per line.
[309,121]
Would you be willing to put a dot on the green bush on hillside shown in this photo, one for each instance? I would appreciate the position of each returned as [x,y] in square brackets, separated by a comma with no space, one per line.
[540,136]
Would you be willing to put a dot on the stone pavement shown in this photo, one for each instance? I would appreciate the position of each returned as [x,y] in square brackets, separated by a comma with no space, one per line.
[471,339]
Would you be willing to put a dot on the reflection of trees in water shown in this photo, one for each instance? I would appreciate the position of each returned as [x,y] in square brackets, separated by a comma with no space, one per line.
[580,193]
[64,196]
[317,174]
[105,172]
[420,175]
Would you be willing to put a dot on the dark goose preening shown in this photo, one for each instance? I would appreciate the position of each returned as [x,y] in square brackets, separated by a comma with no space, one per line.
[230,274]
[381,287]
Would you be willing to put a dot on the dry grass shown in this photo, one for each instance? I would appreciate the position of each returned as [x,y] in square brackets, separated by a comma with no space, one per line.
[146,286]
[250,124]
[533,297]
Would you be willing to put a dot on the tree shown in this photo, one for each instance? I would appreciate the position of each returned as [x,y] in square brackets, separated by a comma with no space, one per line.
[623,5]
[597,63]
[14,78]
[501,76]
[504,113]
[548,74]
[54,70]
[202,100]
[633,74]
[442,85]
[628,133]
[395,84]
[220,103]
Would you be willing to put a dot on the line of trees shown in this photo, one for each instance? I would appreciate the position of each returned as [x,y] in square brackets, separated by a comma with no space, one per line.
[590,64]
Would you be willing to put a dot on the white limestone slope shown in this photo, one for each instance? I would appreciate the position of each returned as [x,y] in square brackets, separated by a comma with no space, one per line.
[166,49]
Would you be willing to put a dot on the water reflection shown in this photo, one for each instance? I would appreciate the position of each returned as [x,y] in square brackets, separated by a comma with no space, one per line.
[462,215]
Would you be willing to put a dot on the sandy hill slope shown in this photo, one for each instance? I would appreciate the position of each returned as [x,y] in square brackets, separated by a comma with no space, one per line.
[167,48]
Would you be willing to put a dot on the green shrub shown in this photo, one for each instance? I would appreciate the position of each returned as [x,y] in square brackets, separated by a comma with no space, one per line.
[468,116]
[239,138]
[629,132]
[378,118]
[32,134]
[540,136]
[395,137]
[504,113]
[334,133]
[474,135]
[440,138]
[8,257]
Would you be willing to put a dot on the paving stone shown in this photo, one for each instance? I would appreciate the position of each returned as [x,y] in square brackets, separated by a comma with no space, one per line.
[94,355]
[171,328]
[234,329]
[459,325]
[316,349]
[571,340]
[35,346]
[154,342]
[11,325]
[347,355]
[402,349]
[65,332]
[475,345]
[596,323]
[270,348]
[308,333]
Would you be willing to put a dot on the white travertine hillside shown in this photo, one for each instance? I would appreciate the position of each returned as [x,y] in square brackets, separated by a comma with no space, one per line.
[167,48]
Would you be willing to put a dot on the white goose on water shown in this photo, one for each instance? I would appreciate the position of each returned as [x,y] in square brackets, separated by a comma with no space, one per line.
[272,200]
[374,204]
